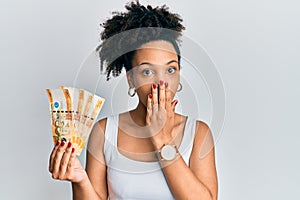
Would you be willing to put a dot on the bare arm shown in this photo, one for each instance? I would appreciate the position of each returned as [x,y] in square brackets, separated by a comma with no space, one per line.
[94,186]
[84,190]
[95,165]
[200,180]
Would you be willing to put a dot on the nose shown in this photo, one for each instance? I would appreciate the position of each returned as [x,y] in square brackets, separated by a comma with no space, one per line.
[159,77]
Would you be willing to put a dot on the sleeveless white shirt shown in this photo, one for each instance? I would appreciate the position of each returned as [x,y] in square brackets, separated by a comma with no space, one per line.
[132,179]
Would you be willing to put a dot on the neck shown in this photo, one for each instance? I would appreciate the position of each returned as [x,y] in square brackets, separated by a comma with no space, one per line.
[138,115]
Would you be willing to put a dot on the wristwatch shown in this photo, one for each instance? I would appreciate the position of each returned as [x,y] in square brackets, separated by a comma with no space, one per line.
[168,152]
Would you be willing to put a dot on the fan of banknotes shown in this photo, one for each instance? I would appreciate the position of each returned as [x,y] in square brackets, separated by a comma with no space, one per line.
[73,112]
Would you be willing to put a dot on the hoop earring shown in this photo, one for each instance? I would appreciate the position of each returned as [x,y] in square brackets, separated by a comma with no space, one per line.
[131,92]
[179,87]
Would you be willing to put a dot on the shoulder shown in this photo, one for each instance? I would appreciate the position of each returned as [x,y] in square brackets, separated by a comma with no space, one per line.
[96,140]
[201,127]
[98,131]
[102,124]
[203,140]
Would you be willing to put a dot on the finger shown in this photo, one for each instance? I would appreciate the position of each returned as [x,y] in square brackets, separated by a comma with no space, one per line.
[173,104]
[52,155]
[57,159]
[149,109]
[154,94]
[168,98]
[65,161]
[162,95]
[71,162]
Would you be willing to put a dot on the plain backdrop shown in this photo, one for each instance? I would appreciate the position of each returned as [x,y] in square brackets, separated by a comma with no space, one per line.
[254,44]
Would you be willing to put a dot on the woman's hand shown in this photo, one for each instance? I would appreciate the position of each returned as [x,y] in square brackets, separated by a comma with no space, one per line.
[64,164]
[160,115]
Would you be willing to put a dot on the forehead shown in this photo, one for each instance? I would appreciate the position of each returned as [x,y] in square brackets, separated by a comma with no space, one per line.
[156,52]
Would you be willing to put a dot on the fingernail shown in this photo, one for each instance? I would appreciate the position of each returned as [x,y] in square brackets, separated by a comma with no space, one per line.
[154,86]
[150,96]
[57,143]
[166,84]
[69,144]
[161,82]
[73,149]
[62,143]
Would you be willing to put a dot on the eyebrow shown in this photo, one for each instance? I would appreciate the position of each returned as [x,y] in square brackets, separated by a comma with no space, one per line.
[151,64]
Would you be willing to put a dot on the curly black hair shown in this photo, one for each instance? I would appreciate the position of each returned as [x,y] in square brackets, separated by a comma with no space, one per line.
[126,31]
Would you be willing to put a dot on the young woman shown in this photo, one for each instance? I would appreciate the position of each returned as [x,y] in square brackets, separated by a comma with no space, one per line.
[150,152]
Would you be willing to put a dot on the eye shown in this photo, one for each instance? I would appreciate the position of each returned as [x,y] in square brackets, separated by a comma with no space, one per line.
[171,70]
[147,72]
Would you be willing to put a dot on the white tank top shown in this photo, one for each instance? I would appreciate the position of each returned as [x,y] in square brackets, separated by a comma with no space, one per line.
[132,179]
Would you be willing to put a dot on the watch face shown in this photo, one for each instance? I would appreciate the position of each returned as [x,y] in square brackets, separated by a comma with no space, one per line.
[168,152]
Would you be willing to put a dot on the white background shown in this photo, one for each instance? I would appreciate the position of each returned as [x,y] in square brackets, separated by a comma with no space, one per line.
[255,45]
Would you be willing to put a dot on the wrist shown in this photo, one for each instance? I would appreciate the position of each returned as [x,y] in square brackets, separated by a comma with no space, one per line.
[167,162]
[83,182]
[168,152]
[158,143]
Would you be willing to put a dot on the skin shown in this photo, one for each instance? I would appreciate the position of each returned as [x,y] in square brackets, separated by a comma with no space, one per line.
[155,76]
